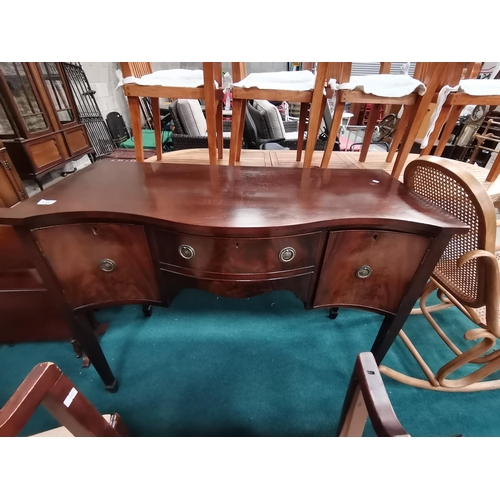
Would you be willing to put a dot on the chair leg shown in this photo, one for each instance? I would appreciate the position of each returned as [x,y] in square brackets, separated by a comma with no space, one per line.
[448,129]
[304,108]
[236,140]
[411,133]
[241,129]
[220,135]
[370,127]
[400,130]
[155,105]
[495,170]
[443,116]
[210,111]
[337,118]
[135,120]
[318,103]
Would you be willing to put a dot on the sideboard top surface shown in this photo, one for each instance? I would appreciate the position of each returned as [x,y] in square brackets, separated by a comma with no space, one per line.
[230,198]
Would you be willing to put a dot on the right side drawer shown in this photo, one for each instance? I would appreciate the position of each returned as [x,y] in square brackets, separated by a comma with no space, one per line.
[369,269]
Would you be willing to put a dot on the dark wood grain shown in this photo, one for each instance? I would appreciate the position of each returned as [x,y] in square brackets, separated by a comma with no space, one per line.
[393,257]
[47,386]
[222,201]
[238,288]
[237,255]
[75,251]
[237,220]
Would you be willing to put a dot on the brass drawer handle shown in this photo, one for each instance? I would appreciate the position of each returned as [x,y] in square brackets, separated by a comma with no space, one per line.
[186,252]
[363,272]
[287,254]
[107,265]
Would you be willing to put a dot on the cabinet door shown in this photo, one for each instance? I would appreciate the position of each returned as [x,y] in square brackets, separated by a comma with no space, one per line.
[100,263]
[369,269]
[58,92]
[23,107]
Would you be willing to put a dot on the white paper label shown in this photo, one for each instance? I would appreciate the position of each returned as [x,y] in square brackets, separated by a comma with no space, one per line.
[69,398]
[46,202]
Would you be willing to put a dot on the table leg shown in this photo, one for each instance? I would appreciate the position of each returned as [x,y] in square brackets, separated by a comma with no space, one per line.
[89,343]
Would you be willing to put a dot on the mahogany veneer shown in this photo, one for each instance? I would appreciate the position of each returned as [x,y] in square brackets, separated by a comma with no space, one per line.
[140,232]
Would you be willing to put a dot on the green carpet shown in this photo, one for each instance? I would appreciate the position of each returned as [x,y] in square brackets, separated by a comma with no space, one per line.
[212,366]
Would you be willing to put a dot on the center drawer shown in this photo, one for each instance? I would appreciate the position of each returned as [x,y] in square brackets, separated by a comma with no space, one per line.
[237,255]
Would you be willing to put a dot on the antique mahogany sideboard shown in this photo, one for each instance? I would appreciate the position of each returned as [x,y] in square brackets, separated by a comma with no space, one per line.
[138,233]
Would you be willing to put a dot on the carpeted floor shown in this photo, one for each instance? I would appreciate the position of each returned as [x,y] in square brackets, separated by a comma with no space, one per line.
[212,366]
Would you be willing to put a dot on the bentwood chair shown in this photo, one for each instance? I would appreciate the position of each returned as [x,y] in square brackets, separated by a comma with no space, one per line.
[466,91]
[292,86]
[46,385]
[466,277]
[140,81]
[382,90]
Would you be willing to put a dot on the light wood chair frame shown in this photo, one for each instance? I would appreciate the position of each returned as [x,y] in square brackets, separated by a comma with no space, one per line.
[46,385]
[213,97]
[314,99]
[450,112]
[478,298]
[415,109]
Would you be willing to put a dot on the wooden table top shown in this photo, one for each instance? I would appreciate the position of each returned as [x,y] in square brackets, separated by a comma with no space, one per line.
[230,199]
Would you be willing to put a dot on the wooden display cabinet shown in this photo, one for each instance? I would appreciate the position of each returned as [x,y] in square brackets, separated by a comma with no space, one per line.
[38,118]
[11,188]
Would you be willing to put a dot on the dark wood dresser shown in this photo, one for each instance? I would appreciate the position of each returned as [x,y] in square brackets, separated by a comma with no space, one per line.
[127,233]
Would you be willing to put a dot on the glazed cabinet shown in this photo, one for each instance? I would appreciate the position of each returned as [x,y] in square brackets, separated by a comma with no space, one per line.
[38,119]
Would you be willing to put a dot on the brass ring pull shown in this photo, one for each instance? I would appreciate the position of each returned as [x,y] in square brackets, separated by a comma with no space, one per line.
[363,272]
[287,254]
[107,265]
[186,252]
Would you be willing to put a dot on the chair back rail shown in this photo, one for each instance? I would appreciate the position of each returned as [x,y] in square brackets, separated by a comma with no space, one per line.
[137,69]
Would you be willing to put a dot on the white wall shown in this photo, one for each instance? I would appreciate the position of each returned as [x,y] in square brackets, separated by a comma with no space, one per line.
[102,78]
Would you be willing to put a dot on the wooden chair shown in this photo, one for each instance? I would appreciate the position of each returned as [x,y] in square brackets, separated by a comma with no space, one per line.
[371,400]
[467,277]
[46,385]
[453,106]
[314,98]
[211,95]
[414,111]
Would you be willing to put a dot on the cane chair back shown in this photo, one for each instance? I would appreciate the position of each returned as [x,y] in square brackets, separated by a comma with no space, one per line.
[447,184]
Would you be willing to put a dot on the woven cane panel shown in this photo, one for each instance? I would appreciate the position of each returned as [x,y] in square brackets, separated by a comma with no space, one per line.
[447,193]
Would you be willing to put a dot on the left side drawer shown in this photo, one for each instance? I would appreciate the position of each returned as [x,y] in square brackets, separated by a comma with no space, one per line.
[100,263]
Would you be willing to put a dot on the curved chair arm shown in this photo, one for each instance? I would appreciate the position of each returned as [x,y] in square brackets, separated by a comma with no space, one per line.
[492,284]
[46,385]
[371,399]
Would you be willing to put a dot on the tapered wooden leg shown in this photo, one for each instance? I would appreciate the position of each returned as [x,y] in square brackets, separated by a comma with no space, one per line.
[135,120]
[318,103]
[337,118]
[400,130]
[237,127]
[442,118]
[495,170]
[220,135]
[155,105]
[241,129]
[210,111]
[304,108]
[411,132]
[370,127]
[448,129]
